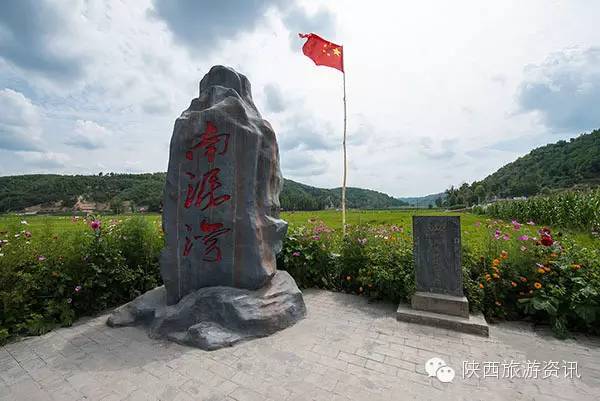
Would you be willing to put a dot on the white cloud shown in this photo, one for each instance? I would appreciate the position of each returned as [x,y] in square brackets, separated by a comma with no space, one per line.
[565,90]
[44,160]
[302,164]
[19,122]
[88,135]
[429,105]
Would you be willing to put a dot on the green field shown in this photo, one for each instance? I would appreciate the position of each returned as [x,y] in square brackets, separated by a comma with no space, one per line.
[474,227]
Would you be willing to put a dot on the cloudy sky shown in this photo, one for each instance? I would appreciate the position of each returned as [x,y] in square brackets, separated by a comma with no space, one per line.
[439,92]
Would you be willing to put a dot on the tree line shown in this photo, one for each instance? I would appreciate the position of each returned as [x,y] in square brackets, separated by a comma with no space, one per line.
[128,192]
[573,164]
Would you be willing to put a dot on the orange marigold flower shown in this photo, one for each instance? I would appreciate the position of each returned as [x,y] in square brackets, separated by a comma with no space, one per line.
[546,268]
[496,275]
[496,262]
[504,254]
[480,285]
[513,283]
[537,285]
[576,266]
[541,270]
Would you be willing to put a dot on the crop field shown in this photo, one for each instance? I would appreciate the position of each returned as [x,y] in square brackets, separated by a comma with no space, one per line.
[474,227]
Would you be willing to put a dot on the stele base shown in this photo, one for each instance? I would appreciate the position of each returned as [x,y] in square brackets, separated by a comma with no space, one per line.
[443,311]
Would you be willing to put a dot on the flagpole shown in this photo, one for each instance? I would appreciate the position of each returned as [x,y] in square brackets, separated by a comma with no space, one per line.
[345,164]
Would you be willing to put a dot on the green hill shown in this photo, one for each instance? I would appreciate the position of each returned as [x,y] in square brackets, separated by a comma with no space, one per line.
[553,167]
[424,201]
[123,192]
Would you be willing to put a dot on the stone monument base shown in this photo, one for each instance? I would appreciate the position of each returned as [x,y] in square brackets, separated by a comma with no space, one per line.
[472,324]
[440,303]
[216,317]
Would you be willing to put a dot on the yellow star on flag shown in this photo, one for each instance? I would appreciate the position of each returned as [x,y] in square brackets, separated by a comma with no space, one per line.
[336,51]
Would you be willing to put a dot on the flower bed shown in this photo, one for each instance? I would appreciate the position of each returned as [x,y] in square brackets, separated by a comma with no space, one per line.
[515,271]
[48,280]
[511,270]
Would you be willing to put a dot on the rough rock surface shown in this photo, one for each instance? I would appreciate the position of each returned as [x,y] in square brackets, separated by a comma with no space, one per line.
[221,200]
[222,227]
[216,317]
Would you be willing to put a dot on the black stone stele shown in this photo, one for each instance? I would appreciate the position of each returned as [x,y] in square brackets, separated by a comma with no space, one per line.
[222,226]
[439,299]
[437,253]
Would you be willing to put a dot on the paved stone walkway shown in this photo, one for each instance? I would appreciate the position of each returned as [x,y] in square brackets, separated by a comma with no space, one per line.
[346,349]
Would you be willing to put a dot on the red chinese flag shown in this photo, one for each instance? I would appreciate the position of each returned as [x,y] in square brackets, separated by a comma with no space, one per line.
[323,52]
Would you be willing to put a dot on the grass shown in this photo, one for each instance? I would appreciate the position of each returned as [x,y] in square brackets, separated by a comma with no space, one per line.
[471,230]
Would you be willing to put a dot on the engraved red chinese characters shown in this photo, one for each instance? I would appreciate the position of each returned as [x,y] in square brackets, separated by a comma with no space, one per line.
[205,191]
[202,194]
[213,231]
[209,140]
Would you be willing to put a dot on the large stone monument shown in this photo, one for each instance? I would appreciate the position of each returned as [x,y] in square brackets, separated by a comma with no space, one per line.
[439,299]
[222,226]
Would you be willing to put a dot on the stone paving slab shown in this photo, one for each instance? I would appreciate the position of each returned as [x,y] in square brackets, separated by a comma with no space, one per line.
[346,349]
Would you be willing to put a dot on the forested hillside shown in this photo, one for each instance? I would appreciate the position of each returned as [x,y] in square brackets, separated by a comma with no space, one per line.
[562,165]
[145,190]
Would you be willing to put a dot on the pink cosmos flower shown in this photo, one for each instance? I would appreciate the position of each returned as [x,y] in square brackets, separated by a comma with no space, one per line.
[531,223]
[296,254]
[27,234]
[524,237]
[316,238]
[95,225]
[505,237]
[497,234]
[516,225]
[41,258]
[78,288]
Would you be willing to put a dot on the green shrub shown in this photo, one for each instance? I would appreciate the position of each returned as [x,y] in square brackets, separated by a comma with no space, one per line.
[307,256]
[556,282]
[47,280]
[510,274]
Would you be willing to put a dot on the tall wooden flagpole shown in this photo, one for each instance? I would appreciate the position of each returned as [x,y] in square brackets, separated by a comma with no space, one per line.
[345,164]
[324,52]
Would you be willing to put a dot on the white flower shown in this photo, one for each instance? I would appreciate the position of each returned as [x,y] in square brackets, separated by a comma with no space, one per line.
[1,254]
[17,235]
[24,222]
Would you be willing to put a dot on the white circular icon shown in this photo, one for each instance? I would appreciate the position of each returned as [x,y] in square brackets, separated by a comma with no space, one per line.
[432,365]
[445,374]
